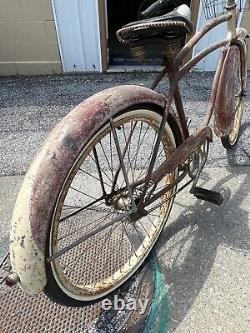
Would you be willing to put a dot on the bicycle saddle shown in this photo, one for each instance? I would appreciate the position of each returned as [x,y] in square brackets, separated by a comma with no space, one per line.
[171,25]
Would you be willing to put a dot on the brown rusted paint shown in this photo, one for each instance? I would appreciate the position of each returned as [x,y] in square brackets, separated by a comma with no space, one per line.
[159,77]
[175,125]
[241,35]
[166,189]
[181,154]
[215,87]
[240,40]
[65,143]
[224,117]
[202,32]
[191,63]
[181,113]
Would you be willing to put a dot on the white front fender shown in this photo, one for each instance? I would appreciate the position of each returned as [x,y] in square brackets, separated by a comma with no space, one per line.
[36,200]
[27,260]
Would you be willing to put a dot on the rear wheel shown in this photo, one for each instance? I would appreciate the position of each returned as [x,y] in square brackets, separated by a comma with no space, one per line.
[92,210]
[236,106]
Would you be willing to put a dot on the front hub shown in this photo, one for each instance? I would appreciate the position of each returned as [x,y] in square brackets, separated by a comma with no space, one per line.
[121,202]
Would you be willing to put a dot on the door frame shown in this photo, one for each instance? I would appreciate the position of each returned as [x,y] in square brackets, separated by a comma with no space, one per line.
[103,28]
[57,34]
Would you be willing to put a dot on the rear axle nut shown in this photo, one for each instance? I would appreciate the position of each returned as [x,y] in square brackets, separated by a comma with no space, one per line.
[12,279]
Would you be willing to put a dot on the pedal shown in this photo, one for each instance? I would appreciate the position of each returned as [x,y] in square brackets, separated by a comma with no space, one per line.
[207,195]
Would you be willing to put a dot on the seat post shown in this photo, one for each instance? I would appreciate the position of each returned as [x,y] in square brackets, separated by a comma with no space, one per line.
[173,47]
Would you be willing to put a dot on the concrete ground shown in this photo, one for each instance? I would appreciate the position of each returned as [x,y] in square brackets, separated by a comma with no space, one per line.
[205,259]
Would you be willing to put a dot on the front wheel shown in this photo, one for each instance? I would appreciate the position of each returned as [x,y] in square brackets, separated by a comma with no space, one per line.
[99,243]
[237,103]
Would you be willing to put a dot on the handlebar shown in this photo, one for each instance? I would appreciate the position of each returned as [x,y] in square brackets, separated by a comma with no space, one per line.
[154,8]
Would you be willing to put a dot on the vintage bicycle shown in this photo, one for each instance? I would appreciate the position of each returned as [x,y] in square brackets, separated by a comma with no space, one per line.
[99,192]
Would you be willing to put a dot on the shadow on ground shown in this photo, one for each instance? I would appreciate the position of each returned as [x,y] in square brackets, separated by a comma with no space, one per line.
[188,246]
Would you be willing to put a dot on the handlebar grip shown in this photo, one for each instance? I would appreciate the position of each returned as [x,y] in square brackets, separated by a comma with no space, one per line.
[154,8]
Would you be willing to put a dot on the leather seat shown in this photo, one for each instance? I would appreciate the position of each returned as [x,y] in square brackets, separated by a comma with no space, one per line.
[171,25]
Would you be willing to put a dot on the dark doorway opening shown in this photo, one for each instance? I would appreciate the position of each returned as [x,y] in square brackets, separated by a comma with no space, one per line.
[119,14]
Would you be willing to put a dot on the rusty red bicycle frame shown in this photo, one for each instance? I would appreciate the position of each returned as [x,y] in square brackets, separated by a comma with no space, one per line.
[176,72]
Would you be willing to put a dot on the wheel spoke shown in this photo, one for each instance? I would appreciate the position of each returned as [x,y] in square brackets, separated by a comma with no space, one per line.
[144,228]
[111,154]
[102,170]
[112,228]
[151,221]
[111,170]
[139,236]
[83,193]
[123,155]
[70,207]
[120,246]
[81,254]
[89,174]
[131,243]
[85,237]
[143,171]
[123,166]
[139,145]
[80,210]
[128,144]
[85,226]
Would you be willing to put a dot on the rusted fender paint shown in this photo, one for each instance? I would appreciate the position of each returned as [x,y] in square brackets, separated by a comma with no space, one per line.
[223,117]
[241,41]
[44,179]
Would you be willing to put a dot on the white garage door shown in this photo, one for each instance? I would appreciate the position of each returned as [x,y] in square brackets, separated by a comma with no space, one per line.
[77,25]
